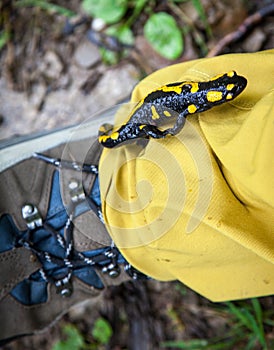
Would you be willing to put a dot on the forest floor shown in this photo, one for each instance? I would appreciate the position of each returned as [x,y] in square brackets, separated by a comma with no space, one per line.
[51,78]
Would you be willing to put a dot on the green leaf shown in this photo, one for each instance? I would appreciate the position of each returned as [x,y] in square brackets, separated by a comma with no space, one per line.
[124,36]
[108,57]
[4,37]
[163,34]
[111,11]
[74,339]
[102,331]
[122,32]
[195,344]
[258,311]
[47,6]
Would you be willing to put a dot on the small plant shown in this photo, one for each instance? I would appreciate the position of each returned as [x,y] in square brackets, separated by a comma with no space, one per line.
[110,11]
[45,5]
[102,331]
[195,344]
[246,321]
[124,37]
[249,323]
[74,339]
[163,34]
[4,37]
[161,29]
[201,12]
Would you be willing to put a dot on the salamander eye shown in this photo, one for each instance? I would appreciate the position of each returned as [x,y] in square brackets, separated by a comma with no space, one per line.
[186,87]
[105,128]
[190,87]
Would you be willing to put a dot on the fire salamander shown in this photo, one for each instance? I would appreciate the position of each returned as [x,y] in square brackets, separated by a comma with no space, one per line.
[173,103]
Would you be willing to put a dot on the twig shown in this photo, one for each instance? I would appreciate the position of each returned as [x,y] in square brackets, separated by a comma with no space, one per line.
[248,23]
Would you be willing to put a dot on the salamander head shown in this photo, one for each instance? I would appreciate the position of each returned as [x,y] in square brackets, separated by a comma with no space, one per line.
[225,87]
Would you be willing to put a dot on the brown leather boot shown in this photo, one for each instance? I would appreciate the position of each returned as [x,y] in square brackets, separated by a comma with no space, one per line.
[54,248]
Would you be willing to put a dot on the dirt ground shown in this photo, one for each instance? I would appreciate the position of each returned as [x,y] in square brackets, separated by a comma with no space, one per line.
[50,79]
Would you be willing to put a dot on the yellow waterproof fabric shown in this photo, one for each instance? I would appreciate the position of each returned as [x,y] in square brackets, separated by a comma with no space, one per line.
[199,207]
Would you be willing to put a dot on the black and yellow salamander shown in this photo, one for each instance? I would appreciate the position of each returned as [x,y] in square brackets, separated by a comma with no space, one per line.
[173,102]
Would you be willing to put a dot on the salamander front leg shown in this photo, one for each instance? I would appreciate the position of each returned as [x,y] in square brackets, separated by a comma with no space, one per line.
[152,131]
[178,126]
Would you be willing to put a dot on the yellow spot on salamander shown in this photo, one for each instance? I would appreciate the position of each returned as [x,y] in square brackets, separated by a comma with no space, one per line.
[103,138]
[114,135]
[167,113]
[192,109]
[174,88]
[141,127]
[154,112]
[230,87]
[231,74]
[194,87]
[213,96]
[229,96]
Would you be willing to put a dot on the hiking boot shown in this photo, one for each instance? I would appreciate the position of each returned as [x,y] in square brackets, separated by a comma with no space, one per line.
[55,251]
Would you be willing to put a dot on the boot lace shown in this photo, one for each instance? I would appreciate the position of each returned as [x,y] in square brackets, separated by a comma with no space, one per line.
[51,242]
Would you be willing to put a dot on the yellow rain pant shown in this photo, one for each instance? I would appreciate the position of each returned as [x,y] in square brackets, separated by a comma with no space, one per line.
[199,206]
